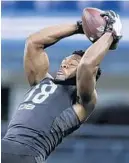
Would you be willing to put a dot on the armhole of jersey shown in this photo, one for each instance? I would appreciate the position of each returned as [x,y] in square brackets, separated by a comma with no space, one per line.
[46,76]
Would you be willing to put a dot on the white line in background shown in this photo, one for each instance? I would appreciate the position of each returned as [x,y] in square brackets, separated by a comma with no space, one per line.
[22,27]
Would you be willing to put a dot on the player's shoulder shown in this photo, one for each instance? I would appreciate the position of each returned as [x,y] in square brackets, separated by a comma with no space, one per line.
[47,77]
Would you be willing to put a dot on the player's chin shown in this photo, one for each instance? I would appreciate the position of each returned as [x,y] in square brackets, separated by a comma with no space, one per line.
[60,77]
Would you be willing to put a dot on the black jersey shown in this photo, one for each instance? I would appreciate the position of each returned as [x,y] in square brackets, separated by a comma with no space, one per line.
[44,117]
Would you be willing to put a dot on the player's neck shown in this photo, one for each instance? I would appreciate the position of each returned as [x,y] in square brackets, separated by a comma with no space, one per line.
[71,81]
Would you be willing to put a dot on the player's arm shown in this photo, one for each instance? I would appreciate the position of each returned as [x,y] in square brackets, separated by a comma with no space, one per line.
[86,73]
[83,112]
[36,62]
[89,64]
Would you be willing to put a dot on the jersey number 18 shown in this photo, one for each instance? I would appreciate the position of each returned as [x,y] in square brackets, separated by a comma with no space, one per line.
[43,94]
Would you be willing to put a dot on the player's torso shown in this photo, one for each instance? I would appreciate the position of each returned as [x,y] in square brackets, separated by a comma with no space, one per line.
[42,104]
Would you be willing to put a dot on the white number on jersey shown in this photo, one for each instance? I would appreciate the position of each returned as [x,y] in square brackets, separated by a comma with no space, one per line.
[43,94]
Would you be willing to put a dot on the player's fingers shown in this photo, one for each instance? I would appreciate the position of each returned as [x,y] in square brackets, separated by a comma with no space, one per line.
[104,14]
[117,15]
[112,13]
[111,17]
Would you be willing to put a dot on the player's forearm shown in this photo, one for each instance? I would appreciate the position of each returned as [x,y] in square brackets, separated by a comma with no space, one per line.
[88,67]
[96,52]
[51,35]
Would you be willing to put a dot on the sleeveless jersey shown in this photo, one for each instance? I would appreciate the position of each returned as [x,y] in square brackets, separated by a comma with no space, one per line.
[44,117]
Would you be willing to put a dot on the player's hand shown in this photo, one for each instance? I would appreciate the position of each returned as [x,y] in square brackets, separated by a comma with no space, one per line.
[79,26]
[114,25]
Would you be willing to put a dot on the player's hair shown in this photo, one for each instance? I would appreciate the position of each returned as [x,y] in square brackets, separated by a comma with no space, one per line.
[79,52]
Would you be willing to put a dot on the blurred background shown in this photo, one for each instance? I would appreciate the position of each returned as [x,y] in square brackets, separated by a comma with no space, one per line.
[105,137]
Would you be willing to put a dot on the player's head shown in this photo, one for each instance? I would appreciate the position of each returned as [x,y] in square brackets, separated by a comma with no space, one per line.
[68,66]
[67,73]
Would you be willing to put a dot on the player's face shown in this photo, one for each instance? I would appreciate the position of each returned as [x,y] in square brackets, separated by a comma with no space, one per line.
[68,67]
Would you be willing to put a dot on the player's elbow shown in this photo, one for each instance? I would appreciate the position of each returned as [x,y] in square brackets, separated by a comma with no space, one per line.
[30,42]
[33,43]
[31,46]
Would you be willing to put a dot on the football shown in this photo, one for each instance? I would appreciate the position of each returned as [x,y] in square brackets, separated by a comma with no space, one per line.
[93,24]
